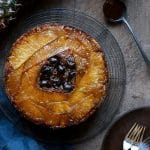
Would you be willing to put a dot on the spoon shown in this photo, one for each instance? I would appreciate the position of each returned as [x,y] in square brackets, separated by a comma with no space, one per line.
[114,11]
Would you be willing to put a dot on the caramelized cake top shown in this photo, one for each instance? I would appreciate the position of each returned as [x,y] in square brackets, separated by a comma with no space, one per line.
[56,75]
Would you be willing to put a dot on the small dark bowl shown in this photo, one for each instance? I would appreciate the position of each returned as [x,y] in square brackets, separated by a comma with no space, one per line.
[115,135]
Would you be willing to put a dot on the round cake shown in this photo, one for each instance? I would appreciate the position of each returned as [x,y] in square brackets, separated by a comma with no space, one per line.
[56,75]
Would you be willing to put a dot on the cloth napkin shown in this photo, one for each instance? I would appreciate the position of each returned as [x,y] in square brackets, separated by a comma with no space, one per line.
[13,139]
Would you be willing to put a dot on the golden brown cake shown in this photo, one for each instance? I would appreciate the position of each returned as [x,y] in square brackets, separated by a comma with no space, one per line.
[56,75]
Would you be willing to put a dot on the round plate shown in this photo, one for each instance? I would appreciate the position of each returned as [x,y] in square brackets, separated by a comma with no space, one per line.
[115,135]
[97,122]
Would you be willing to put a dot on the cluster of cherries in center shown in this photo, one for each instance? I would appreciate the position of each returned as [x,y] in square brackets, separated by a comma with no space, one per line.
[58,74]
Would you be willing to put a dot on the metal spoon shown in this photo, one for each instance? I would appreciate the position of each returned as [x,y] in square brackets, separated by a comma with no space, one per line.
[115,12]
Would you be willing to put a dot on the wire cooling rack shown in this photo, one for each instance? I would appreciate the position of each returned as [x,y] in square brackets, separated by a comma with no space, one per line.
[117,77]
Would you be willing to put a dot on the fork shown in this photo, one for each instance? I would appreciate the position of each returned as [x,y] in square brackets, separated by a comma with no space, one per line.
[145,145]
[134,137]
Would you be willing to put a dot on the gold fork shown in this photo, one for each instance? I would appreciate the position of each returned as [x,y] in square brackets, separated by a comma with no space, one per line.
[134,137]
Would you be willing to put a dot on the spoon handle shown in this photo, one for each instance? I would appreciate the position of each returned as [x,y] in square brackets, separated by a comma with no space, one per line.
[137,42]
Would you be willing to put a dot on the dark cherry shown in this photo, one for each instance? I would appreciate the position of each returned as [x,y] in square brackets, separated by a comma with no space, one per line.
[56,81]
[54,60]
[70,63]
[47,69]
[72,74]
[58,74]
[61,69]
[66,74]
[67,87]
[44,83]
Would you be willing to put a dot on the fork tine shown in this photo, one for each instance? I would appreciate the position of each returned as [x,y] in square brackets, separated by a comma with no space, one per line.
[142,134]
[135,136]
[147,140]
[130,131]
[136,133]
[133,132]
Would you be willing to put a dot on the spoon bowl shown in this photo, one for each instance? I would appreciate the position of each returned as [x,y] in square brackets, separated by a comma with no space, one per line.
[114,11]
